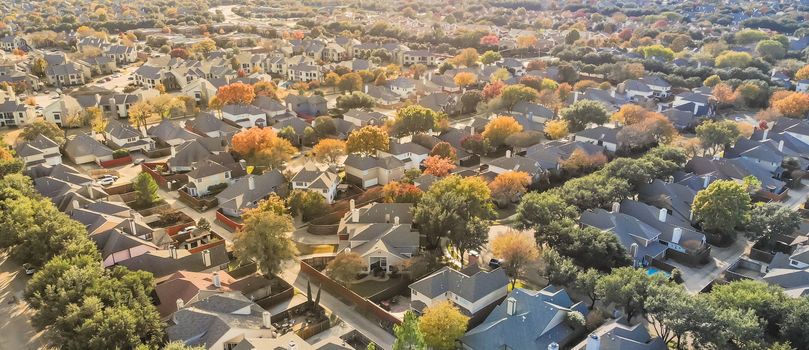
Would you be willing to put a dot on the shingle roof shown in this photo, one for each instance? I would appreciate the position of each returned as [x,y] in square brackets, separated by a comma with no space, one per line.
[470,287]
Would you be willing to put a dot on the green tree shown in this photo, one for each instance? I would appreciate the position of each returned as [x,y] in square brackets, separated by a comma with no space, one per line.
[722,207]
[45,128]
[584,112]
[629,289]
[413,120]
[442,325]
[514,94]
[657,51]
[586,284]
[572,36]
[768,301]
[793,326]
[539,210]
[733,59]
[308,204]
[145,190]
[490,57]
[589,247]
[355,100]
[263,239]
[715,135]
[558,269]
[408,336]
[771,50]
[769,221]
[594,191]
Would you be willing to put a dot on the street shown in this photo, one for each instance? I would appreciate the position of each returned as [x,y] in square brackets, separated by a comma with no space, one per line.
[16,331]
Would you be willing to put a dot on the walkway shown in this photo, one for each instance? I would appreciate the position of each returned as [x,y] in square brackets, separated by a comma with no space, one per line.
[291,273]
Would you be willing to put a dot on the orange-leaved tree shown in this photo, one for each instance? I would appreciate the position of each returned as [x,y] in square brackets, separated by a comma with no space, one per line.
[438,166]
[236,93]
[262,146]
[508,186]
[401,192]
[796,105]
[367,141]
[499,128]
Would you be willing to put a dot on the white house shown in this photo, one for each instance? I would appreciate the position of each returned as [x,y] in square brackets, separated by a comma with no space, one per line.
[206,175]
[40,150]
[246,116]
[125,136]
[471,290]
[320,180]
[15,113]
[60,111]
[601,136]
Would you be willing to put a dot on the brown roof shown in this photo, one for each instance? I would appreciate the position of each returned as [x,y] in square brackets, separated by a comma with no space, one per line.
[187,285]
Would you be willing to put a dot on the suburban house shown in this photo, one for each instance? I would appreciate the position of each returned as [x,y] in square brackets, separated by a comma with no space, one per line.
[62,110]
[695,102]
[791,272]
[184,156]
[553,154]
[362,118]
[207,175]
[471,289]
[682,120]
[316,179]
[246,116]
[383,246]
[123,135]
[601,136]
[247,191]
[371,171]
[636,236]
[306,106]
[769,154]
[84,149]
[170,133]
[40,150]
[117,246]
[424,57]
[527,319]
[673,197]
[677,234]
[67,74]
[16,113]
[410,153]
[374,213]
[121,54]
[615,335]
[705,170]
[209,125]
[511,162]
[163,263]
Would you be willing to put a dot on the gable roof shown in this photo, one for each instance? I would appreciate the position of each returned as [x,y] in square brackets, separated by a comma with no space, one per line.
[238,195]
[469,287]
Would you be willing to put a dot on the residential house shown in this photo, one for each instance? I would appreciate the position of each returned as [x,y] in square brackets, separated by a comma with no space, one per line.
[246,116]
[790,272]
[123,135]
[207,124]
[40,150]
[99,65]
[511,162]
[84,148]
[640,240]
[600,136]
[677,234]
[170,133]
[705,170]
[471,289]
[362,118]
[191,287]
[441,102]
[316,179]
[206,176]
[373,213]
[310,106]
[185,155]
[682,120]
[383,246]
[610,99]
[615,335]
[16,113]
[382,95]
[201,90]
[121,54]
[371,171]
[163,263]
[527,319]
[62,110]
[424,57]
[533,111]
[304,72]
[117,246]
[673,197]
[552,155]
[695,102]
[247,191]
[403,87]
[410,153]
[68,74]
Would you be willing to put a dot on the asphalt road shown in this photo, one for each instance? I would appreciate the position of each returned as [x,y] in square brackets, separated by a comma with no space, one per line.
[16,332]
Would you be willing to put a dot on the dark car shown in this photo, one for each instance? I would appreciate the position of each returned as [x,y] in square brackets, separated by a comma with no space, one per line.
[495,263]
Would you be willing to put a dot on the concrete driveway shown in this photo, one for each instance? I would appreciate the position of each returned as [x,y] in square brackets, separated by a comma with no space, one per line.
[15,326]
[697,278]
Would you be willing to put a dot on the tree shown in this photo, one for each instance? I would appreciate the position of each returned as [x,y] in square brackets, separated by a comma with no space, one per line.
[559,270]
[594,191]
[793,327]
[438,166]
[508,186]
[802,73]
[263,146]
[444,150]
[331,79]
[329,150]
[794,105]
[464,79]
[771,50]
[401,192]
[767,301]
[266,88]
[629,289]
[308,204]
[655,129]
[769,221]
[733,59]
[448,207]
[724,95]
[513,94]
[490,57]
[493,89]
[146,189]
[324,126]
[345,267]
[584,112]
[518,249]
[263,239]
[588,247]
[499,128]
[526,41]
[236,93]
[721,207]
[585,284]
[408,335]
[44,128]
[714,135]
[475,144]
[179,52]
[39,67]
[537,210]
[467,57]
[350,82]
[204,47]
[712,80]
[414,119]
[367,141]
[630,114]
[442,325]
[572,36]
[556,129]
[657,51]
[355,100]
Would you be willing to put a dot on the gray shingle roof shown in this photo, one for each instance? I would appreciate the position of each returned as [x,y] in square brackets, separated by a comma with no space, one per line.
[470,287]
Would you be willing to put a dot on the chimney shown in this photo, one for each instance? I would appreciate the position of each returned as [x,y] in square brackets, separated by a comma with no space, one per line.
[764,136]
[781,146]
[113,106]
[206,257]
[173,252]
[659,107]
[696,108]
[675,236]
[266,319]
[553,346]
[217,282]
[508,154]
[430,76]
[243,164]
[387,218]
[633,251]
[180,303]
[511,306]
[365,88]
[575,96]
[593,342]
[173,151]
[292,345]
[706,181]
[132,227]
[616,207]
[662,215]
[612,93]
[351,205]
[355,215]
[251,183]
[395,220]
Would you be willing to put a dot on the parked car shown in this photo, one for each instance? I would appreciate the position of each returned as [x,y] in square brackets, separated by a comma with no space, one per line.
[29,269]
[495,263]
[138,161]
[188,229]
[106,181]
[109,176]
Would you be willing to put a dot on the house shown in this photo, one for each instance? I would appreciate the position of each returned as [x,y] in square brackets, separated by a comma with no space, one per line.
[317,179]
[511,162]
[201,90]
[673,197]
[304,72]
[297,125]
[40,150]
[185,155]
[246,116]
[170,133]
[410,153]
[471,289]
[660,88]
[121,54]
[637,90]
[123,135]
[791,272]
[16,113]
[552,155]
[310,106]
[220,321]
[290,340]
[705,170]
[532,111]
[382,95]
[62,110]
[191,287]
[383,246]
[802,85]
[84,149]
[610,99]
[441,102]
[601,136]
[117,246]
[769,154]
[209,125]
[67,74]
[695,102]
[677,234]
[635,235]
[424,57]
[99,65]
[682,120]
[371,171]
[527,319]
[163,263]
[206,176]
[615,335]
[362,118]
[247,191]
[374,213]
[403,87]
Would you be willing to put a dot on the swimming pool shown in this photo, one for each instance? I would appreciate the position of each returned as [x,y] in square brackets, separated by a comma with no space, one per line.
[653,270]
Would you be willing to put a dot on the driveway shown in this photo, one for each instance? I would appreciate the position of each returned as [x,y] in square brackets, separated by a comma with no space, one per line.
[15,328]
[697,278]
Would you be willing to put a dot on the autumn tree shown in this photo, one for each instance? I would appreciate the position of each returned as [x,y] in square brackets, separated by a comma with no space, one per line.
[350,82]
[556,129]
[629,114]
[499,128]
[493,89]
[179,52]
[795,105]
[236,93]
[490,57]
[438,166]
[263,239]
[508,186]
[414,119]
[263,146]
[266,88]
[401,192]
[329,150]
[583,113]
[580,162]
[518,249]
[45,128]
[464,79]
[345,267]
[331,80]
[367,141]
[467,57]
[514,94]
[442,325]
[526,41]
[733,59]
[444,150]
[802,73]
[724,95]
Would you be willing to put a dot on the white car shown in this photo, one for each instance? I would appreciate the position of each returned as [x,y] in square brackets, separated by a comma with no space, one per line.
[188,229]
[106,181]
[29,269]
